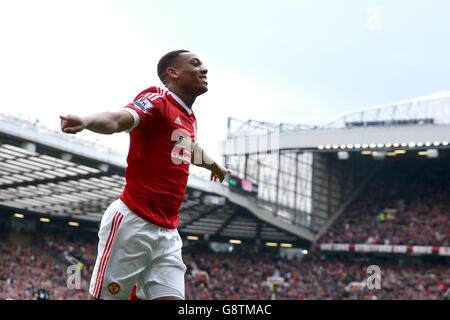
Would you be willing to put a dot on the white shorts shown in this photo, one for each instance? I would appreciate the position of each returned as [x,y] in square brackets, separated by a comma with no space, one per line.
[134,252]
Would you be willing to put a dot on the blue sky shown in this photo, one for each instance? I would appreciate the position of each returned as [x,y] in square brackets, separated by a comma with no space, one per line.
[284,61]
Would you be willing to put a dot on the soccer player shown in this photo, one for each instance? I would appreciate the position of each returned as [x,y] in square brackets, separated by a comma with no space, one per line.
[139,246]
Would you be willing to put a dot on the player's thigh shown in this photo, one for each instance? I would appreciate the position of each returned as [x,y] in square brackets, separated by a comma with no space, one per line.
[164,277]
[122,256]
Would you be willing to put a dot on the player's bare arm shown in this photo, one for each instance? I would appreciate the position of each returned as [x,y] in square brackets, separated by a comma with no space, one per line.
[201,159]
[104,122]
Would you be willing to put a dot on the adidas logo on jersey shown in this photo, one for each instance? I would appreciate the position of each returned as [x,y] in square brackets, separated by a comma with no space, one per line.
[178,121]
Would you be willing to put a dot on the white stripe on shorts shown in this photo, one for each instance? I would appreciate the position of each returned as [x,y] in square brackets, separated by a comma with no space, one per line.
[106,254]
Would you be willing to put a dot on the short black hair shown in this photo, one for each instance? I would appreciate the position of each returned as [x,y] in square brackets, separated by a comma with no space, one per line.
[167,61]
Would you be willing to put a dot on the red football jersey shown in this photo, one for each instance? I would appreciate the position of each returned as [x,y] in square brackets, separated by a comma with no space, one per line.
[161,142]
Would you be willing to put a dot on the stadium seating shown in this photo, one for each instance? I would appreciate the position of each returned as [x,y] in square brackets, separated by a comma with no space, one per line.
[241,274]
[23,269]
[244,276]
[402,206]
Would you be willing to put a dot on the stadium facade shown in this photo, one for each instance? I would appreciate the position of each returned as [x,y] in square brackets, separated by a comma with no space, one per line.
[307,175]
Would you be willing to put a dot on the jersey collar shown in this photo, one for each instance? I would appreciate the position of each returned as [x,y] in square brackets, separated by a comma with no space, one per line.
[181,102]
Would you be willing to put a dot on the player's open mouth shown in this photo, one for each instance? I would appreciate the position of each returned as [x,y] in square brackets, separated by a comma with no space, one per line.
[204,79]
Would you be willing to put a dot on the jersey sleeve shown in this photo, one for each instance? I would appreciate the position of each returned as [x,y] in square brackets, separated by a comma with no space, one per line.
[136,118]
[144,112]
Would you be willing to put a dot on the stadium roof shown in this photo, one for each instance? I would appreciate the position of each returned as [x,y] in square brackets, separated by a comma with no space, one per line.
[52,174]
[433,106]
[419,122]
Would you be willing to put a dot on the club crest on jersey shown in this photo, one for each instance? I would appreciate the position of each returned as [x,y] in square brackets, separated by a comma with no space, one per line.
[114,288]
[143,104]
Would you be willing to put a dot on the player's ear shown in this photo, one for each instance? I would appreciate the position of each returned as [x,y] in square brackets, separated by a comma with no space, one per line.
[172,73]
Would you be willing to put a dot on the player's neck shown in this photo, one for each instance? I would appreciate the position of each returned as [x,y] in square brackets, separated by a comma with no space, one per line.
[187,98]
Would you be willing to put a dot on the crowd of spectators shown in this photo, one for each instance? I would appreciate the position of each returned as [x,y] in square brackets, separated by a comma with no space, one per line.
[245,276]
[401,205]
[28,271]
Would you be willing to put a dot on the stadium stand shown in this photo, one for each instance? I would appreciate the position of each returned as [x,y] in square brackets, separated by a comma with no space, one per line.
[407,204]
[247,276]
[40,263]
[244,273]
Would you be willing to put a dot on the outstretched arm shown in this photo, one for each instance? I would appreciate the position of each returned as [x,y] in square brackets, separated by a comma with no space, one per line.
[104,122]
[201,159]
